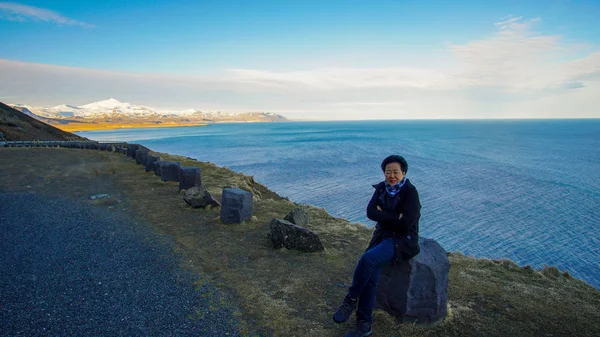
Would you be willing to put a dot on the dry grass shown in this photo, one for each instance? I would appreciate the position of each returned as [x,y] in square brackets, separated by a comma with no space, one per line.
[288,293]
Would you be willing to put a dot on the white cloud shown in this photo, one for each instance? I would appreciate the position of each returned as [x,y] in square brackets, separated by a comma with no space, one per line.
[515,73]
[516,58]
[16,12]
[335,78]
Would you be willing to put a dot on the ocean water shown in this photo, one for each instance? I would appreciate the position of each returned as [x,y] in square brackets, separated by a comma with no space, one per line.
[524,190]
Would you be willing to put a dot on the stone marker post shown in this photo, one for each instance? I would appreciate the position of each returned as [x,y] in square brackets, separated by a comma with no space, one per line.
[189,176]
[236,205]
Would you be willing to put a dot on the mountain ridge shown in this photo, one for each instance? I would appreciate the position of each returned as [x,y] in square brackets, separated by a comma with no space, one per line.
[113,106]
[114,114]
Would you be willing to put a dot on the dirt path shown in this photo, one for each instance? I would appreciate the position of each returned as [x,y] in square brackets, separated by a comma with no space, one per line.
[72,266]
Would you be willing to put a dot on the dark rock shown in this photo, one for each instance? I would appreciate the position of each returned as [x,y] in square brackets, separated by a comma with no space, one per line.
[169,171]
[131,150]
[285,234]
[199,197]
[236,205]
[189,176]
[416,290]
[140,156]
[151,162]
[157,167]
[297,216]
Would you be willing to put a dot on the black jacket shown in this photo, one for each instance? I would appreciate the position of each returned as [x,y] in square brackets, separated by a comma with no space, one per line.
[404,231]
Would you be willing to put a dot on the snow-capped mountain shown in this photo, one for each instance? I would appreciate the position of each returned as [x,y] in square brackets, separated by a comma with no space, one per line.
[113,108]
[103,108]
[108,104]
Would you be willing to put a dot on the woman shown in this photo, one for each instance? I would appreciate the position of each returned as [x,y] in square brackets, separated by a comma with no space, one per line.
[396,208]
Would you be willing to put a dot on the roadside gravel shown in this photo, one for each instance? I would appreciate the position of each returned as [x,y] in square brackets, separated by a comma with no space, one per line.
[70,269]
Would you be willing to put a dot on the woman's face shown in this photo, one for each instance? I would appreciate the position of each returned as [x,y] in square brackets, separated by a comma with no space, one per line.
[393,173]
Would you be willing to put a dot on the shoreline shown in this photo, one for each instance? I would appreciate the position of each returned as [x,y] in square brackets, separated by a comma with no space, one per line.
[101,127]
[371,228]
[82,127]
[537,265]
[482,253]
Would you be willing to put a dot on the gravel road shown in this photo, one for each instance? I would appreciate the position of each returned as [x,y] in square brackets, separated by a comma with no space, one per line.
[71,269]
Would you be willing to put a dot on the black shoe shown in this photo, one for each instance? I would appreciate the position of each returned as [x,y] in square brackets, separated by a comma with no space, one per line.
[362,329]
[343,313]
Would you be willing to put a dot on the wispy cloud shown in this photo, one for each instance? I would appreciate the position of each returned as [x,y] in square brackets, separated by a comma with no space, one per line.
[17,12]
[336,78]
[389,103]
[508,21]
[515,58]
[514,73]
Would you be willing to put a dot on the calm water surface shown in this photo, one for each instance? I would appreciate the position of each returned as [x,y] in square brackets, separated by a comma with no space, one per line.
[524,190]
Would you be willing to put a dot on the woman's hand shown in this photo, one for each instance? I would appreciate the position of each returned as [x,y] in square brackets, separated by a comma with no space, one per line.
[379,208]
[400,217]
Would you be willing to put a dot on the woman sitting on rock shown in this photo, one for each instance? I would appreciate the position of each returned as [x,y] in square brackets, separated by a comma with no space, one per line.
[396,208]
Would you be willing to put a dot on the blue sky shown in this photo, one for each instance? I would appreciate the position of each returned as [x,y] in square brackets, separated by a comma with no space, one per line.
[309,59]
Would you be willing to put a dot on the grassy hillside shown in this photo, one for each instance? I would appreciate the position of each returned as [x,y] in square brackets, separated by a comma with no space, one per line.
[282,292]
[17,126]
[288,293]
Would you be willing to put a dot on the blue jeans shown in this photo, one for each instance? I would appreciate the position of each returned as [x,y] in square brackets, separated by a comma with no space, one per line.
[366,275]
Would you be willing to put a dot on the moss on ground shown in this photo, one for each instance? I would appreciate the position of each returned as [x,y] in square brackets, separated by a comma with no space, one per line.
[288,293]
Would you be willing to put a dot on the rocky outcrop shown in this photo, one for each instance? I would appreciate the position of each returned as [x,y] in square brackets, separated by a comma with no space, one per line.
[236,205]
[297,216]
[199,197]
[416,290]
[283,233]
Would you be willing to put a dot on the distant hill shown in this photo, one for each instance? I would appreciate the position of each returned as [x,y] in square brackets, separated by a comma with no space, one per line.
[16,125]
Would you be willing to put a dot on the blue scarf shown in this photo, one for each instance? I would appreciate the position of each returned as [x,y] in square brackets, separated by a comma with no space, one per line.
[393,190]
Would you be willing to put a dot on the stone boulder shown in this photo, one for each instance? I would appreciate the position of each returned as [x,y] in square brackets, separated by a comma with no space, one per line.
[151,163]
[199,197]
[189,176]
[157,167]
[297,216]
[416,290]
[131,150]
[169,171]
[140,156]
[236,205]
[283,233]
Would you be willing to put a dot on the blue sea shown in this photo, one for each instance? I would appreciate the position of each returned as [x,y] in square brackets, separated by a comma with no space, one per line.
[527,190]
